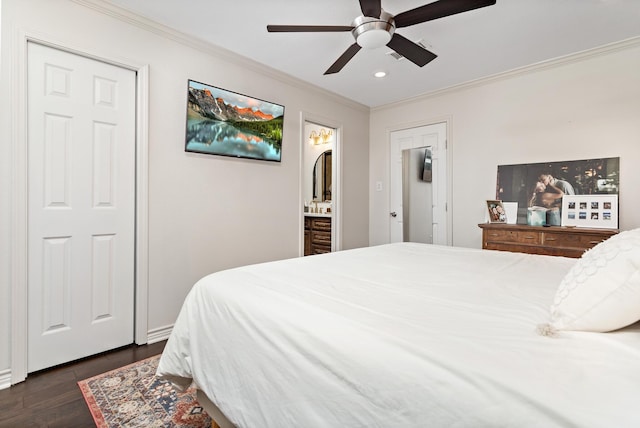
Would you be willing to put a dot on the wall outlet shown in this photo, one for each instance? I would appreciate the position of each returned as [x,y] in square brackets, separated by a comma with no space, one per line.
[378,186]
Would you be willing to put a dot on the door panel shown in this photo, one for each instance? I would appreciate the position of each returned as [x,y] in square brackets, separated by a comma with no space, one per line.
[81,161]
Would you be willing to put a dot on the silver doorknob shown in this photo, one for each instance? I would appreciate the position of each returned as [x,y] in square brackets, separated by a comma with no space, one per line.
[394,214]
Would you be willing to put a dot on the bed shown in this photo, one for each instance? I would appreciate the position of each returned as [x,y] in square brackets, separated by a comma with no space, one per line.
[408,335]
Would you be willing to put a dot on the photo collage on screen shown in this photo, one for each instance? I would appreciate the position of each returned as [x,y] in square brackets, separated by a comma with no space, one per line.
[589,210]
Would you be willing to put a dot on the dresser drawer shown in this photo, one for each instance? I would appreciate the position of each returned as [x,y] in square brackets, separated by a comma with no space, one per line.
[526,237]
[581,241]
[516,236]
[501,235]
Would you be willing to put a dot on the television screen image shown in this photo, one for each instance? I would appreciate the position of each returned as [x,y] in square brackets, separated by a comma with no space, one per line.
[221,122]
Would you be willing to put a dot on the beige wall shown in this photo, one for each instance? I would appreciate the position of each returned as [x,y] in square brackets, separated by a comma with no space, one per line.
[586,106]
[206,213]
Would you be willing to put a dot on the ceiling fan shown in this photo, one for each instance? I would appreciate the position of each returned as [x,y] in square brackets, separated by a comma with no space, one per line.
[376,28]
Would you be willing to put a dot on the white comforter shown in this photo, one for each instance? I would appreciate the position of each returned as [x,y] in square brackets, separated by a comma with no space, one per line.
[399,335]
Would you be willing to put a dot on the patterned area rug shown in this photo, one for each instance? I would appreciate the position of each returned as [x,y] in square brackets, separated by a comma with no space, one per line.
[132,396]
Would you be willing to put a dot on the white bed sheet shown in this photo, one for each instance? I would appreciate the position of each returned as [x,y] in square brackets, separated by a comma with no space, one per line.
[400,335]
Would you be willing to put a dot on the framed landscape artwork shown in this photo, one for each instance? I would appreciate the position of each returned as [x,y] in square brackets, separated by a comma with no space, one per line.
[221,122]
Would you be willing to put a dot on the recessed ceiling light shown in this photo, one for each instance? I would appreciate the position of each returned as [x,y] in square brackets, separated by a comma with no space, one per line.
[380,74]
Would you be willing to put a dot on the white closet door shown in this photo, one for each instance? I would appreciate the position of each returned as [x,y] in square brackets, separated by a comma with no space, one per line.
[81,160]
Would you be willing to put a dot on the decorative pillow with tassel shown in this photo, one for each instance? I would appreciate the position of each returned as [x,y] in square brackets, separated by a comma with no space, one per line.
[601,292]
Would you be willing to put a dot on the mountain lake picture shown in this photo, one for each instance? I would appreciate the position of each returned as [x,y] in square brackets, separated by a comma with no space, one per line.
[226,123]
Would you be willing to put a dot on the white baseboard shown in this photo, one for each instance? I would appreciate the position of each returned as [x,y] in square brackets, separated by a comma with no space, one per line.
[159,334]
[5,379]
[153,336]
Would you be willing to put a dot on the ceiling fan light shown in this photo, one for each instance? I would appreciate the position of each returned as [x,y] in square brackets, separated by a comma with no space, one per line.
[372,33]
[373,39]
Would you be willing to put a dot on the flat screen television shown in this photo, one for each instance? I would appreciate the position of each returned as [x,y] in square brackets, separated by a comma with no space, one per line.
[427,166]
[225,123]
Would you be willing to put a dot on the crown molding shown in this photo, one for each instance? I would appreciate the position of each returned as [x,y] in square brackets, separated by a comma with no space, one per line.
[151,26]
[633,42]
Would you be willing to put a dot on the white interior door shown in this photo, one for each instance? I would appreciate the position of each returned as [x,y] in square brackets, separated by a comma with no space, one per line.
[81,162]
[435,137]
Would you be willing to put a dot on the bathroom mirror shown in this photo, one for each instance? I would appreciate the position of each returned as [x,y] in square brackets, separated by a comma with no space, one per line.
[322,177]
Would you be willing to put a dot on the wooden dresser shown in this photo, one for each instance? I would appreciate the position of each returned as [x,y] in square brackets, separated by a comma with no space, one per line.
[552,240]
[317,235]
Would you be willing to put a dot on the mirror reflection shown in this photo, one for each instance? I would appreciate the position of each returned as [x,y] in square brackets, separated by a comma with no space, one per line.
[322,177]
[417,195]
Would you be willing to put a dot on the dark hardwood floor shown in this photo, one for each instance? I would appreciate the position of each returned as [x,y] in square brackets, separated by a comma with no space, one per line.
[51,398]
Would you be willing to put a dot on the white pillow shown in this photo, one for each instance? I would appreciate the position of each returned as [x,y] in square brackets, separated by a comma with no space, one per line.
[601,292]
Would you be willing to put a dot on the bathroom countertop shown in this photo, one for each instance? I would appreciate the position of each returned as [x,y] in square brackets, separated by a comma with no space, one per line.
[317,215]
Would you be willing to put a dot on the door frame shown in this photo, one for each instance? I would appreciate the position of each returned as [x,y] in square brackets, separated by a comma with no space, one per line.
[336,180]
[449,165]
[19,195]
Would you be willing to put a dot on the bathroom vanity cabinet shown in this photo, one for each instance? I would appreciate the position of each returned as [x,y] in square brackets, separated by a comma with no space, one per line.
[317,235]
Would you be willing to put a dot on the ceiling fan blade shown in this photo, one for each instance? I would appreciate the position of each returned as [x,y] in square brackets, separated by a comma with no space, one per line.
[371,8]
[410,50]
[438,9]
[344,59]
[307,28]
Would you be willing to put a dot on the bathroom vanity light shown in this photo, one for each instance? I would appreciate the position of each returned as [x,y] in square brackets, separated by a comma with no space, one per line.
[314,138]
[325,135]
[322,138]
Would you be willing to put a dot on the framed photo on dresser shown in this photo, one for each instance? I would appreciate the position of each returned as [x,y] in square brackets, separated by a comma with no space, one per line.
[496,211]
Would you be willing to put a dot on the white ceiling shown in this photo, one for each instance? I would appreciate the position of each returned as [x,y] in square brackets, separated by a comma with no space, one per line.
[471,45]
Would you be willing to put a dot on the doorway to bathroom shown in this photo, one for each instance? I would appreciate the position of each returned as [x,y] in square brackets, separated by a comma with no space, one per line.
[319,190]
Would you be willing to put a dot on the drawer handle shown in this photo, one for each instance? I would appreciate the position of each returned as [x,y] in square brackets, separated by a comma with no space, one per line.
[493,234]
[529,237]
[594,242]
[551,239]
